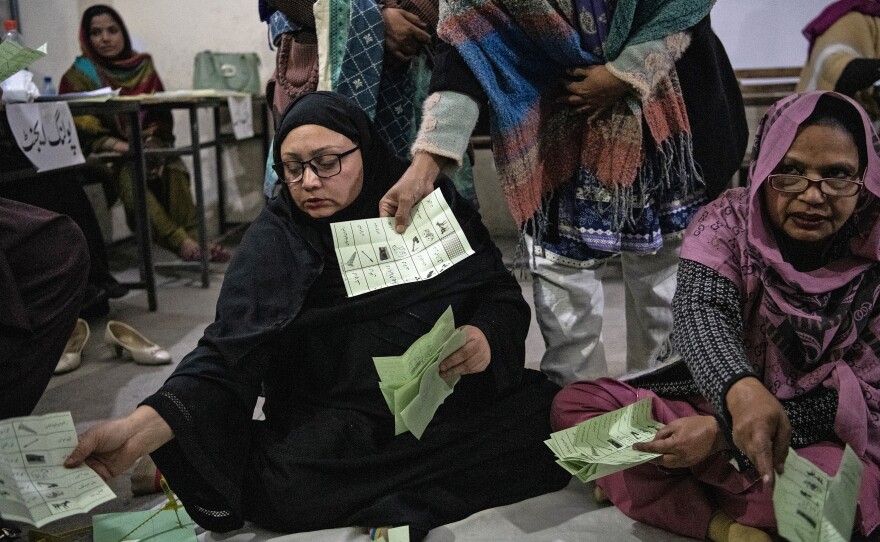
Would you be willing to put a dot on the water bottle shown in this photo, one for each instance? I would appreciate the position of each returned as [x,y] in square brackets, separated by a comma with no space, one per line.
[48,89]
[11,33]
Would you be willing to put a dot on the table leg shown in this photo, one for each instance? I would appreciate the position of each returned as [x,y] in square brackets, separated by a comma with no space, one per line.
[200,192]
[221,185]
[142,219]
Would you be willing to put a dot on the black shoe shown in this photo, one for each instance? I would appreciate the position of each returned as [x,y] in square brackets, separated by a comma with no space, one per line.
[113,288]
[94,303]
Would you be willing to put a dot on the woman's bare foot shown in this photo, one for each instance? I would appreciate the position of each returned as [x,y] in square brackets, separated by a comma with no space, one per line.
[189,251]
[219,253]
[599,495]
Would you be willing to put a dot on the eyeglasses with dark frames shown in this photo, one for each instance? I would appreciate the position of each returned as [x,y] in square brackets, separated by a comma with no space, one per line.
[796,184]
[324,166]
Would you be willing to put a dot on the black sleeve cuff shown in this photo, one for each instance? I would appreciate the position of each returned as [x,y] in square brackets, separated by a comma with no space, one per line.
[452,73]
[860,73]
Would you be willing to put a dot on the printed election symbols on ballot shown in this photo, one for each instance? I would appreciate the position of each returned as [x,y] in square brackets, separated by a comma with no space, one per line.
[372,255]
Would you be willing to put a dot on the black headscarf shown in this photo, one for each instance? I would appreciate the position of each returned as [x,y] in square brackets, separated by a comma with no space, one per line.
[381,170]
[338,113]
[285,272]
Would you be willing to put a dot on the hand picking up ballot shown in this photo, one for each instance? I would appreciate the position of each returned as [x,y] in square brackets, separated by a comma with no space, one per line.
[603,445]
[35,486]
[411,384]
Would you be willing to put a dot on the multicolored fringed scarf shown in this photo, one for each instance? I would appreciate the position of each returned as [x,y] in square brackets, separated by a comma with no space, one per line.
[519,52]
[804,329]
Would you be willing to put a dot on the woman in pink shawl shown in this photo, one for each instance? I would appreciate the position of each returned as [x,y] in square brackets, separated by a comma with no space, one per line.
[778,323]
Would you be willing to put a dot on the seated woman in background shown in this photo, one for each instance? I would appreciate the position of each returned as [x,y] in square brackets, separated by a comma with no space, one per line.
[776,317]
[844,53]
[326,455]
[108,60]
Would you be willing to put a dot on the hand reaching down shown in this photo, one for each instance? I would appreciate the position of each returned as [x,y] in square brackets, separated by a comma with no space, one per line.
[761,428]
[416,183]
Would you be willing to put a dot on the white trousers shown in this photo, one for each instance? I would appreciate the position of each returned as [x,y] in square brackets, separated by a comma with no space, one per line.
[570,301]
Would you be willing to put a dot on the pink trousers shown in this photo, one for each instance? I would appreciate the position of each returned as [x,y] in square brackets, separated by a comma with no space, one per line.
[682,500]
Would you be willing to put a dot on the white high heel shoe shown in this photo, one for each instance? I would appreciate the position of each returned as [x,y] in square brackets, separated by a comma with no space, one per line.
[121,336]
[72,356]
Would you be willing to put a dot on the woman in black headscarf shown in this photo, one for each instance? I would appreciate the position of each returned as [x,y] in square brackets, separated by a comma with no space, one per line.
[326,455]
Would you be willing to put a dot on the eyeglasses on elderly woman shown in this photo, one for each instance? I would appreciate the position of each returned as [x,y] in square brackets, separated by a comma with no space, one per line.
[796,184]
[324,166]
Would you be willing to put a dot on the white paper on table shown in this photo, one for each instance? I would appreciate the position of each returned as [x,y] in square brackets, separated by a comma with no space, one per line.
[45,133]
[242,115]
[98,95]
[372,255]
[35,487]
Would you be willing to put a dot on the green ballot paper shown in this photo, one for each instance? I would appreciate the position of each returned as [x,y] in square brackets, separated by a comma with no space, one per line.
[411,383]
[14,57]
[147,525]
[811,506]
[391,534]
[603,445]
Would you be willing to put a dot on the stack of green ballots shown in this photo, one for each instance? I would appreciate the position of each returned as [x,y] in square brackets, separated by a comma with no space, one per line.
[411,383]
[603,445]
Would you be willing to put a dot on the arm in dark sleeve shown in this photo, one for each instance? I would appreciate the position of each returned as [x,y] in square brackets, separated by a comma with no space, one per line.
[209,399]
[709,330]
[858,74]
[209,407]
[708,333]
[452,73]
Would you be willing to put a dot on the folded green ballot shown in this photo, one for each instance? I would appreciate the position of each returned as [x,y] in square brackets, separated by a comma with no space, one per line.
[603,445]
[147,525]
[811,506]
[411,383]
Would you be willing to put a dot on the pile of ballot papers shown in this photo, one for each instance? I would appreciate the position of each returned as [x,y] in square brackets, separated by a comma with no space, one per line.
[603,445]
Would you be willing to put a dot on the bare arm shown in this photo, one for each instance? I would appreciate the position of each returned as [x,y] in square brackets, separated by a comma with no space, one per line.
[416,183]
[109,448]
